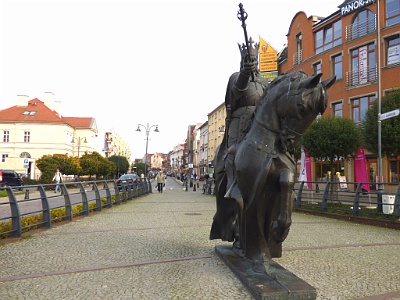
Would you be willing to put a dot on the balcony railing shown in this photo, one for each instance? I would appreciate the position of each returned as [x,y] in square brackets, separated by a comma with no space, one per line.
[361,77]
[355,31]
[298,58]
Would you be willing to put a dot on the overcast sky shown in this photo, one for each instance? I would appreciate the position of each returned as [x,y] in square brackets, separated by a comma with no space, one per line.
[126,63]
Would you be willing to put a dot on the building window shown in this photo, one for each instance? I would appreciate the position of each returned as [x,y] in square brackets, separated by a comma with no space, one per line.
[3,157]
[337,66]
[27,136]
[328,37]
[323,170]
[337,109]
[392,12]
[6,136]
[394,167]
[393,50]
[360,107]
[363,66]
[297,58]
[317,68]
[363,24]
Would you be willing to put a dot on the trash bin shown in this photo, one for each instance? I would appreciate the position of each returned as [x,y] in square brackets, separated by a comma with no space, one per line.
[388,204]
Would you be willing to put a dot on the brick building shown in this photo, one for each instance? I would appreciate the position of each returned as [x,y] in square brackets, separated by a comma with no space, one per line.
[348,44]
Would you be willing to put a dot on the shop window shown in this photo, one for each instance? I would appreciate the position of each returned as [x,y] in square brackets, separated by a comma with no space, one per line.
[337,66]
[323,170]
[392,12]
[392,50]
[394,173]
[363,66]
[337,109]
[328,37]
[360,107]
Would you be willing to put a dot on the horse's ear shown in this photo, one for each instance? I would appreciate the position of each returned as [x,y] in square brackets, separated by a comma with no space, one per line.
[329,82]
[310,82]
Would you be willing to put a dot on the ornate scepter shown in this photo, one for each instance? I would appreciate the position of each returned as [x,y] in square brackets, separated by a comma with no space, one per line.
[242,16]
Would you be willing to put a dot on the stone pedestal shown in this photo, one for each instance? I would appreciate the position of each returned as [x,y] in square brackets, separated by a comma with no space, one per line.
[275,283]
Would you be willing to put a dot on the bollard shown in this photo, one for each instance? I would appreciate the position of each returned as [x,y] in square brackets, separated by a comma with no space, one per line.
[26,194]
[194,187]
[317,188]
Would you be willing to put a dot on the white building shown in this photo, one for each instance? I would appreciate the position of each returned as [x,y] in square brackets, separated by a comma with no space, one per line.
[34,128]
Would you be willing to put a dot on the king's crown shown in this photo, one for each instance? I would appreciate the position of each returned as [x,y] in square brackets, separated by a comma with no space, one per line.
[253,49]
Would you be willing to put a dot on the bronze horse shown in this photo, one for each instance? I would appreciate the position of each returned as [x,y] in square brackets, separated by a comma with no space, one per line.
[258,214]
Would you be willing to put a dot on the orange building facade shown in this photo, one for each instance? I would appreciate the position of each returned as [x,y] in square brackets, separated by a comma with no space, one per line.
[348,44]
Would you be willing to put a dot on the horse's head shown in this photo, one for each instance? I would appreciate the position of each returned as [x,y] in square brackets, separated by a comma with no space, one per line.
[305,98]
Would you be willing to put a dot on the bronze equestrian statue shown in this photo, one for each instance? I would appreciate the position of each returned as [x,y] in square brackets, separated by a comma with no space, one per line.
[257,213]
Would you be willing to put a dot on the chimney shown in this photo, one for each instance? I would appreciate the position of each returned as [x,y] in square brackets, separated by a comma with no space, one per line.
[22,100]
[49,100]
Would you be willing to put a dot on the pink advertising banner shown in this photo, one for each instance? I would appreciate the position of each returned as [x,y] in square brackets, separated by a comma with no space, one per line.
[308,168]
[360,168]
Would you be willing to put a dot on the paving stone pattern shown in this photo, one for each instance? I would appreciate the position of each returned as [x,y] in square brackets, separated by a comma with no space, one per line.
[158,247]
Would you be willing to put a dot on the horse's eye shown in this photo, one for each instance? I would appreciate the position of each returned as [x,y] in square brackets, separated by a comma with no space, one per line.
[301,107]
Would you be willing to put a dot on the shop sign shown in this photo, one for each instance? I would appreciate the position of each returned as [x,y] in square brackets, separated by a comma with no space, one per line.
[269,75]
[268,57]
[268,66]
[351,6]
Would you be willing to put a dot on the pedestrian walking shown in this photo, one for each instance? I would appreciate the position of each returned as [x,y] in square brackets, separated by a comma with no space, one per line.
[160,181]
[57,178]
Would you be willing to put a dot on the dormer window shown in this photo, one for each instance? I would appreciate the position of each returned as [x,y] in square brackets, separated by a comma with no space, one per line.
[29,113]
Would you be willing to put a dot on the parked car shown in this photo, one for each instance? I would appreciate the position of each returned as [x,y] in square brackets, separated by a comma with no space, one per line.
[10,178]
[126,179]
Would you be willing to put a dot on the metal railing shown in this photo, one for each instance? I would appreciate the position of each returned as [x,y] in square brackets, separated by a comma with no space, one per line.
[298,58]
[360,77]
[75,198]
[339,197]
[354,31]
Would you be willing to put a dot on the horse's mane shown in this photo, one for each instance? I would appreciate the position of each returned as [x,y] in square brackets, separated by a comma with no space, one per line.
[281,79]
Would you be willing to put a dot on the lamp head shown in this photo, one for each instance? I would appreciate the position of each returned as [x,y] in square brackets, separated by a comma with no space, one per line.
[156,130]
[138,129]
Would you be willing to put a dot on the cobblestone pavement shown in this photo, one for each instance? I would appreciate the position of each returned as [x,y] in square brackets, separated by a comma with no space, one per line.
[158,247]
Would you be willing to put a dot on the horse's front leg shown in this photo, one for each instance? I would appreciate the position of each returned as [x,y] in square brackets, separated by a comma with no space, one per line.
[282,225]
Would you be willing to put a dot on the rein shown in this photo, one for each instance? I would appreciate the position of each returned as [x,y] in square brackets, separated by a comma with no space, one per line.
[267,127]
[292,131]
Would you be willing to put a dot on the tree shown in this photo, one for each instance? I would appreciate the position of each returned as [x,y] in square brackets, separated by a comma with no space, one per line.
[95,164]
[121,162]
[48,164]
[332,138]
[390,128]
[138,167]
[107,167]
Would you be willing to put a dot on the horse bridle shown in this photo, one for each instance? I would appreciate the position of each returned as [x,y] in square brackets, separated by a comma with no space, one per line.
[283,120]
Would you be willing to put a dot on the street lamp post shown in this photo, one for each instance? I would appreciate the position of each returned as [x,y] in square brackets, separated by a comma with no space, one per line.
[79,139]
[147,128]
